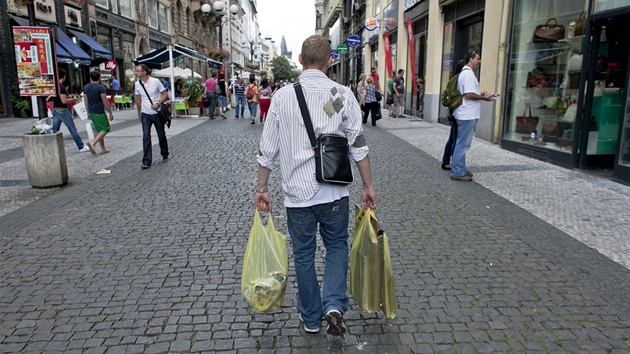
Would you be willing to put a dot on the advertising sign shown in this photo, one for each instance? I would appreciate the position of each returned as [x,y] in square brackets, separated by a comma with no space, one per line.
[354,41]
[371,23]
[34,61]
[110,65]
[342,48]
[334,54]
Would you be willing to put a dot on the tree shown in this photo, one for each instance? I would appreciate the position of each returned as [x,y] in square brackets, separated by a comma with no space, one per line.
[282,69]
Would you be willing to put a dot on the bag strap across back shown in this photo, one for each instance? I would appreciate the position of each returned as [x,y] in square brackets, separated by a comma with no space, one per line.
[305,115]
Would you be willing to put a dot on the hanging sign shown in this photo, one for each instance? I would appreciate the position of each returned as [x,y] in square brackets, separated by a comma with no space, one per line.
[110,65]
[371,23]
[334,54]
[342,48]
[34,61]
[354,41]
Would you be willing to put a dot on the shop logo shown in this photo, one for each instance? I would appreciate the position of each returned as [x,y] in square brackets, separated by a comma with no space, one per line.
[371,24]
[110,65]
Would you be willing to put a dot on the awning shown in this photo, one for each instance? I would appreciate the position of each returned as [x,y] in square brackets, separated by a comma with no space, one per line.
[62,55]
[98,50]
[155,58]
[79,56]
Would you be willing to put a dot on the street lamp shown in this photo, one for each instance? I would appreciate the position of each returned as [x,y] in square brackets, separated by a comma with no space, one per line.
[219,8]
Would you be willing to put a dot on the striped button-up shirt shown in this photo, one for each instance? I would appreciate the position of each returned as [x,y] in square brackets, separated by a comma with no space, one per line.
[333,109]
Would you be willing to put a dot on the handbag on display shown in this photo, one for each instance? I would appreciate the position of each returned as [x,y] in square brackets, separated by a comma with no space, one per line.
[526,124]
[580,25]
[549,32]
[332,155]
[575,63]
[547,55]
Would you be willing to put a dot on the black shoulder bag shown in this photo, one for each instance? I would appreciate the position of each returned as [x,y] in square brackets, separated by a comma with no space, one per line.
[332,157]
[164,114]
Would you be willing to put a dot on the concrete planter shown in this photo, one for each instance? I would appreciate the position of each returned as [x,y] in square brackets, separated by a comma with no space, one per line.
[45,158]
[194,111]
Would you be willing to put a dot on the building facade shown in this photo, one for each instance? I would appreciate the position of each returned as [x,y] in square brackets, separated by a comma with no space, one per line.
[565,61]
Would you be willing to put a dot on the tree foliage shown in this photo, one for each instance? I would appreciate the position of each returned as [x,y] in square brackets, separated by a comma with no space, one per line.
[282,69]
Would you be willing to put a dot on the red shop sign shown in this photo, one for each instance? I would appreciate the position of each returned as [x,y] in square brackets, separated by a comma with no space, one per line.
[110,65]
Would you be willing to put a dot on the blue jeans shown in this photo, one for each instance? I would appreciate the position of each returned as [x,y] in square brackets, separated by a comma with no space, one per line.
[450,144]
[240,105]
[147,121]
[65,116]
[333,228]
[465,133]
[252,109]
[212,99]
[222,101]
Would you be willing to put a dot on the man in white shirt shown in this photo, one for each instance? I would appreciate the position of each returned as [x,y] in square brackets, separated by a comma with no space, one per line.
[148,100]
[334,110]
[467,115]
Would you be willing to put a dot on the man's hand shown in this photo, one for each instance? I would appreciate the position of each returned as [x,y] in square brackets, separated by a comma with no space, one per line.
[263,202]
[155,106]
[368,198]
[111,116]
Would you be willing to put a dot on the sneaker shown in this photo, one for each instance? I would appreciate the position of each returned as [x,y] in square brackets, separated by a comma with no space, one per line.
[306,329]
[446,167]
[144,167]
[402,116]
[165,158]
[468,174]
[464,178]
[253,122]
[85,149]
[336,326]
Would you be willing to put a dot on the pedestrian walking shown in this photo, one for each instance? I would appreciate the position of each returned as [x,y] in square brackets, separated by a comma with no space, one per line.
[210,94]
[452,136]
[115,82]
[399,93]
[361,92]
[311,205]
[467,115]
[222,95]
[371,104]
[265,99]
[239,93]
[61,112]
[96,104]
[252,95]
[419,96]
[150,94]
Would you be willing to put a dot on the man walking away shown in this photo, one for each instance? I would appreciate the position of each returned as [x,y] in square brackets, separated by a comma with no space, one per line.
[399,90]
[467,115]
[146,87]
[252,96]
[210,94]
[312,205]
[95,104]
[223,95]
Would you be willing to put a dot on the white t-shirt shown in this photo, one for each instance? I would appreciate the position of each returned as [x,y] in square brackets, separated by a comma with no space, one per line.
[468,83]
[154,88]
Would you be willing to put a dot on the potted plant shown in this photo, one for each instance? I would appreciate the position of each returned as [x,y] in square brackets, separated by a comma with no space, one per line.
[195,92]
[218,54]
[45,156]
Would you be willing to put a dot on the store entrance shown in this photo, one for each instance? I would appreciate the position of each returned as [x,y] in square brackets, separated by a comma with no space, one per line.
[605,94]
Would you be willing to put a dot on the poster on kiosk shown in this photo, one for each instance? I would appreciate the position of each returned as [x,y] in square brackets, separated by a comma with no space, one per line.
[34,61]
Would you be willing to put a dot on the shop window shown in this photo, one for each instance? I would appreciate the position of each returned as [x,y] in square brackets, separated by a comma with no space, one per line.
[104,40]
[544,74]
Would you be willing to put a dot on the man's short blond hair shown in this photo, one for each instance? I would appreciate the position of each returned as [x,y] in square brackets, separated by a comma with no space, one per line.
[315,51]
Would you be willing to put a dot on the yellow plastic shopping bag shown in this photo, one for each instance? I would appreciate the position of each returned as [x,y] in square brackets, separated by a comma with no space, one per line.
[265,266]
[371,275]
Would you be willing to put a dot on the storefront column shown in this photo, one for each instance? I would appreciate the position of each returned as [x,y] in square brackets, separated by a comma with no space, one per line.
[491,74]
[434,63]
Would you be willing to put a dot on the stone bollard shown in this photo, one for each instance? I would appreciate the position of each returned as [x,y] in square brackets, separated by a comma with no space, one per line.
[45,157]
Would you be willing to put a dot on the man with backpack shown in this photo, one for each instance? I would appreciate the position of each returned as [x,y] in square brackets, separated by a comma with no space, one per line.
[251,95]
[467,115]
[399,97]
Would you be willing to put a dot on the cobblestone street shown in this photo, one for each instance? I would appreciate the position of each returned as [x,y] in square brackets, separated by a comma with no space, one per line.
[150,260]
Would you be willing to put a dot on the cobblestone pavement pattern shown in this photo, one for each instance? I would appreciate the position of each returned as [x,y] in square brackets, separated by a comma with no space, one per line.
[149,260]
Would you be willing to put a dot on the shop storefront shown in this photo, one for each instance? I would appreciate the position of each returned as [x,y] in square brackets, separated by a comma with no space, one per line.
[417,11]
[115,31]
[463,33]
[566,99]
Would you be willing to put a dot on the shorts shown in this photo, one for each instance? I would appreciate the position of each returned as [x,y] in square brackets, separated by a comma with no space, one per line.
[222,101]
[100,122]
[399,100]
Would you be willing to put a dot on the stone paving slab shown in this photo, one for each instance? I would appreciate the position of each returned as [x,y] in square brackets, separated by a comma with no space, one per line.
[152,263]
